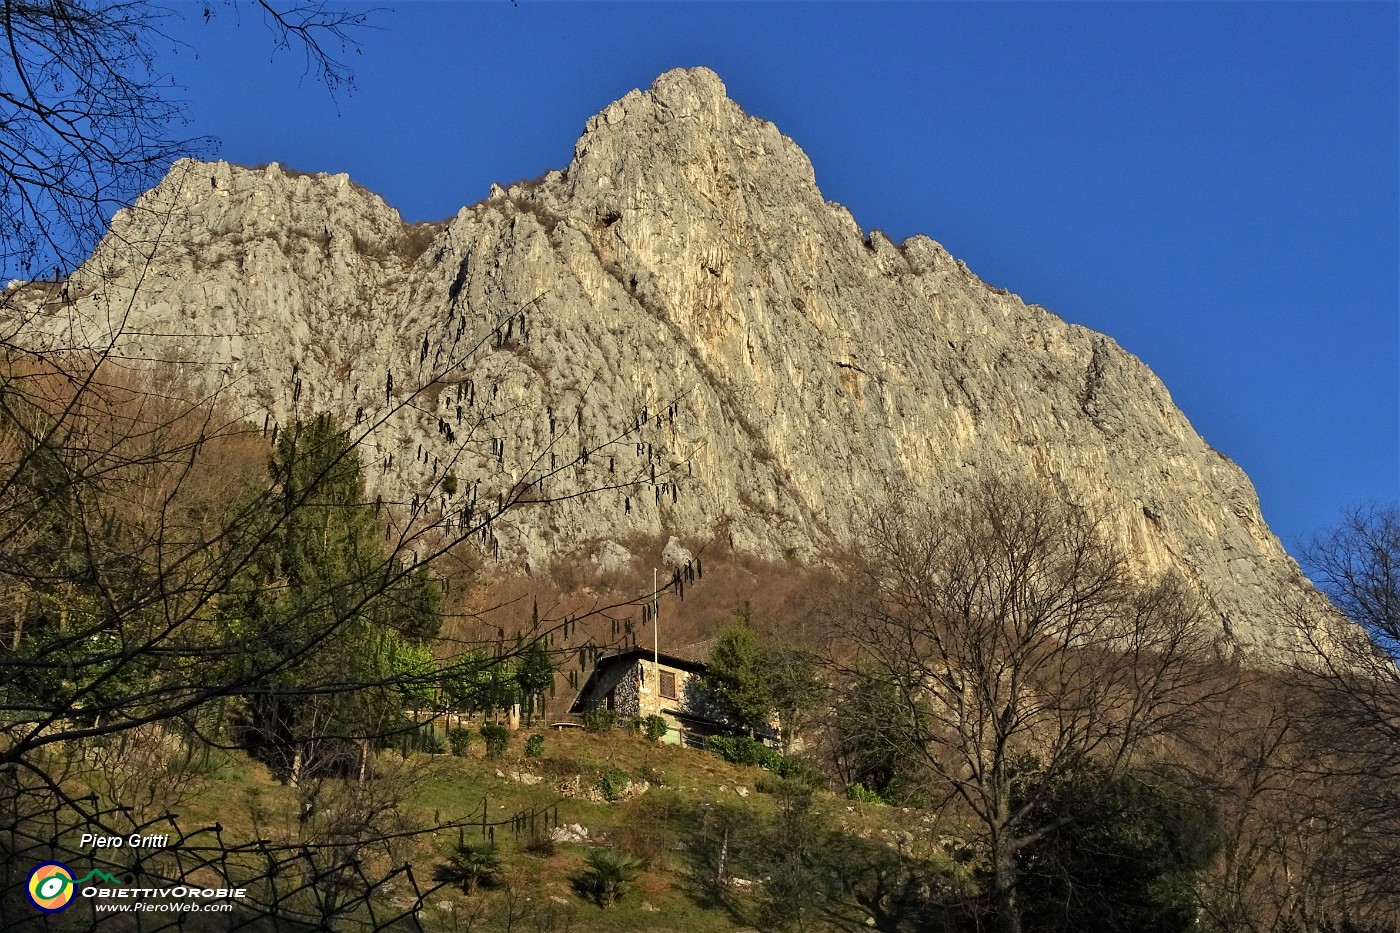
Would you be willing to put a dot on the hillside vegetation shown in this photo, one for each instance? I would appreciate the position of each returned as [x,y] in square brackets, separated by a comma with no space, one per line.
[215,639]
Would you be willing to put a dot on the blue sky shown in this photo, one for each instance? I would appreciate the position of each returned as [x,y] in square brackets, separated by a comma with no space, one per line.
[1213,185]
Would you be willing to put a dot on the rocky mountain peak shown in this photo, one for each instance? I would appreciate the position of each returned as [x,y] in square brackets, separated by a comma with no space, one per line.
[677,318]
[696,95]
[683,129]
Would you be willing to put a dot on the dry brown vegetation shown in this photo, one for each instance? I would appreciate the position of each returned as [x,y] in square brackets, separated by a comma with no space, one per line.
[145,472]
[417,238]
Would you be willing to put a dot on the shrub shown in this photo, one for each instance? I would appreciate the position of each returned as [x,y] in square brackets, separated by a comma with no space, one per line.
[459,740]
[655,727]
[742,750]
[724,746]
[793,776]
[472,864]
[534,745]
[804,772]
[609,872]
[496,737]
[856,791]
[542,844]
[771,784]
[599,720]
[767,758]
[613,784]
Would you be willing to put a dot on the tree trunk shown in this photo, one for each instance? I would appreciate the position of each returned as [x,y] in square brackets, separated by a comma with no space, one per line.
[1004,893]
[723,857]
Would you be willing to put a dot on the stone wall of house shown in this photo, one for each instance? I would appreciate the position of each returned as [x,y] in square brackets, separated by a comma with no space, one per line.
[605,684]
[689,695]
[628,698]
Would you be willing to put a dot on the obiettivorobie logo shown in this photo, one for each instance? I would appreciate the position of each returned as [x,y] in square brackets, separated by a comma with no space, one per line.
[52,888]
[51,885]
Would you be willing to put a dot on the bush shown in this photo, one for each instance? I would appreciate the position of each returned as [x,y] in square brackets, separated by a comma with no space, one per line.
[613,784]
[771,784]
[472,864]
[655,727]
[599,720]
[804,772]
[742,750]
[723,746]
[770,759]
[856,791]
[804,778]
[609,872]
[542,845]
[534,745]
[459,740]
[496,737]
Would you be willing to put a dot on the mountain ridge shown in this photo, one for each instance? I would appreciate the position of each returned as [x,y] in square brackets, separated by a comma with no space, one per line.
[742,362]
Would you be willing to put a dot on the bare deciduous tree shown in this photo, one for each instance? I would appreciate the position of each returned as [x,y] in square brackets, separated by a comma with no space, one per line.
[1002,642]
[1354,732]
[1358,566]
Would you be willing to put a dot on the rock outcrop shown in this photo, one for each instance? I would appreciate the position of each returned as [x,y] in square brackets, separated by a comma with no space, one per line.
[677,319]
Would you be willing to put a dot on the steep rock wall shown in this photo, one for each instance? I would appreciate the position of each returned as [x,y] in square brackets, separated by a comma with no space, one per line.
[740,362]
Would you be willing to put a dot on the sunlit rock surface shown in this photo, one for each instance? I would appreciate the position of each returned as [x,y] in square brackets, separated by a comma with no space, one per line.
[743,366]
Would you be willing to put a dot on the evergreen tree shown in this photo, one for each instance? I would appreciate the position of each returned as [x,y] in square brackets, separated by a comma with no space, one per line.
[1117,852]
[535,674]
[324,580]
[736,679]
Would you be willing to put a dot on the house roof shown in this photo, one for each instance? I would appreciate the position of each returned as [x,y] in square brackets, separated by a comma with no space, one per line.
[683,659]
[697,652]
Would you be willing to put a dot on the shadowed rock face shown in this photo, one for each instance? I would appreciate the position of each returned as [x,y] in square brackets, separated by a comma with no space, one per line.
[764,370]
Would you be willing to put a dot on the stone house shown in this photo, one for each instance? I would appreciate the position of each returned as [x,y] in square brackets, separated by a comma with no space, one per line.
[637,683]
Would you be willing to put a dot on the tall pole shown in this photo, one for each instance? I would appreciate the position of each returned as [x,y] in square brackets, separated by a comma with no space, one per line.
[655,629]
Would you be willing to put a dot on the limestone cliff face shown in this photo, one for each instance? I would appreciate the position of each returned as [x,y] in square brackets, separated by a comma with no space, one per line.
[737,359]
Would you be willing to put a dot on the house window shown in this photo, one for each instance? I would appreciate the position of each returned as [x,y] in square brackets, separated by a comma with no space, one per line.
[668,685]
